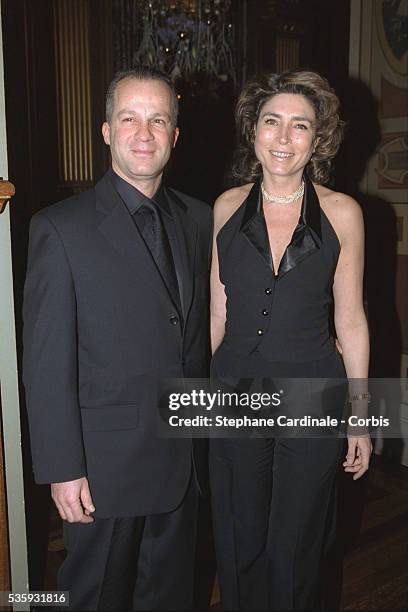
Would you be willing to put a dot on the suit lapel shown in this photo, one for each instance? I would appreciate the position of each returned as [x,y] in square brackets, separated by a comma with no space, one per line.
[307,237]
[186,231]
[119,229]
[253,224]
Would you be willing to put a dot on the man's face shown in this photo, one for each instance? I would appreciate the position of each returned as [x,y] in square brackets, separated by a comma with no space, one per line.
[141,134]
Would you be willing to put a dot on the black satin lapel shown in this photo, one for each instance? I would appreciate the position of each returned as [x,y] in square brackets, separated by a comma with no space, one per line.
[253,224]
[186,231]
[119,229]
[307,236]
[303,245]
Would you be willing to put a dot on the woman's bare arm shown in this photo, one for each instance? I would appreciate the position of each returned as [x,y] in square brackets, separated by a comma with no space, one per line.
[350,320]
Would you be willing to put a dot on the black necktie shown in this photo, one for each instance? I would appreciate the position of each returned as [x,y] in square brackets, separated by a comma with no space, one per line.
[155,236]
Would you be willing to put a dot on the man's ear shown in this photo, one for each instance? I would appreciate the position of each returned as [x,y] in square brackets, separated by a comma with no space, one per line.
[106,132]
[176,135]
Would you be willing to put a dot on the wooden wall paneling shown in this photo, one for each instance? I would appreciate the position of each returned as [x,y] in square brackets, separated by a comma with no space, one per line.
[71,32]
[83,43]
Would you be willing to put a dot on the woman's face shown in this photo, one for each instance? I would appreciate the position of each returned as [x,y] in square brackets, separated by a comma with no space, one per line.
[285,134]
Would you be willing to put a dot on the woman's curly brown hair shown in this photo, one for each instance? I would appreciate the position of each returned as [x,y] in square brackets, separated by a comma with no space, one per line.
[329,127]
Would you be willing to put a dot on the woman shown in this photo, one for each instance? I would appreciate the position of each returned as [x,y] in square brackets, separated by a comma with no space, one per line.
[285,248]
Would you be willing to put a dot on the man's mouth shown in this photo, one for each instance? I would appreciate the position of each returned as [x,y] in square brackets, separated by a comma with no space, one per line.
[142,152]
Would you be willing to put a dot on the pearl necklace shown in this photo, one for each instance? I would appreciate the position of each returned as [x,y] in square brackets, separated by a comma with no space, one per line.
[288,199]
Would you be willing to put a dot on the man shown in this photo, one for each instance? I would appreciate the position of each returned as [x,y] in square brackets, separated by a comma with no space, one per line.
[116,300]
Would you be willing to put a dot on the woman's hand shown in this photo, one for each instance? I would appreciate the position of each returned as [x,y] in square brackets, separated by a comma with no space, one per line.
[358,455]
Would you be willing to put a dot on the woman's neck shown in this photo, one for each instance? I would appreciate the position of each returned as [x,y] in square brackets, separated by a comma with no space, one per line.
[281,185]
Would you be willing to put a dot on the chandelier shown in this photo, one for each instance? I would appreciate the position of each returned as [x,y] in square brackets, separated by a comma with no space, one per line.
[187,37]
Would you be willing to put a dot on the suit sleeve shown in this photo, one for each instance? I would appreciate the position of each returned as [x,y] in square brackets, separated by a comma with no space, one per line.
[50,358]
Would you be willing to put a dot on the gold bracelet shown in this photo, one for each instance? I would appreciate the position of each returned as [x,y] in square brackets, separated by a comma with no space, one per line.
[361,396]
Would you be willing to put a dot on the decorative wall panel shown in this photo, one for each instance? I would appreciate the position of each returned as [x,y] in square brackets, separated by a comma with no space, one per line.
[73,92]
[287,53]
[393,161]
[379,58]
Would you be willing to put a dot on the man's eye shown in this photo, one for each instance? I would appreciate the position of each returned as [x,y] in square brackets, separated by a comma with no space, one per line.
[159,121]
[128,119]
[301,126]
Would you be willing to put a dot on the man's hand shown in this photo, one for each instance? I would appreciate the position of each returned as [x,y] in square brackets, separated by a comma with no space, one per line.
[73,500]
[358,455]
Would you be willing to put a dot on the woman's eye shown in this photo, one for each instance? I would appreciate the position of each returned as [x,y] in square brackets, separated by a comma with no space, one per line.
[301,126]
[271,121]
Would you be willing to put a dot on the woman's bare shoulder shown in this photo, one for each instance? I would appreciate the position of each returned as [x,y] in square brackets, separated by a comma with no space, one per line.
[228,202]
[343,212]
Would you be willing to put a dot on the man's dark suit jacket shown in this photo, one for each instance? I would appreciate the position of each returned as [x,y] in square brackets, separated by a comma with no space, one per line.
[99,332]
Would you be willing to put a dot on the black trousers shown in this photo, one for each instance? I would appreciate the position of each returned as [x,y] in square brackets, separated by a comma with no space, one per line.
[271,502]
[137,563]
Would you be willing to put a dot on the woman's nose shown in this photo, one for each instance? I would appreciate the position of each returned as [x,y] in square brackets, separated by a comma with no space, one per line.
[284,135]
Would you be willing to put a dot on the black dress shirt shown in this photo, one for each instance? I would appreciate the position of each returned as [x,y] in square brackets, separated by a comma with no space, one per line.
[133,200]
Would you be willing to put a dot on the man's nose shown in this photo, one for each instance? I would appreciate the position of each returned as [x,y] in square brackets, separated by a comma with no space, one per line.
[144,131]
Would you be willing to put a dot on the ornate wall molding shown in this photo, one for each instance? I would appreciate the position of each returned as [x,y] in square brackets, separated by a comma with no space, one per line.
[73,92]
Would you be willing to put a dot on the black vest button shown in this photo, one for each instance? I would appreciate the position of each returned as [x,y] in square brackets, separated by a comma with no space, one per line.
[260,332]
[173,320]
[268,291]
[265,312]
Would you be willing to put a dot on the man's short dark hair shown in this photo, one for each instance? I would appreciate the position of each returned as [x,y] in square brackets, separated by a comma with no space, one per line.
[141,73]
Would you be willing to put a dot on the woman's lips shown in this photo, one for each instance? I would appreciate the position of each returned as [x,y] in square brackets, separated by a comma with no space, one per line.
[281,154]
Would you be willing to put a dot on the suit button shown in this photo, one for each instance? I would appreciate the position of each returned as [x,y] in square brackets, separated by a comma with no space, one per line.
[265,312]
[260,332]
[174,320]
[268,291]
